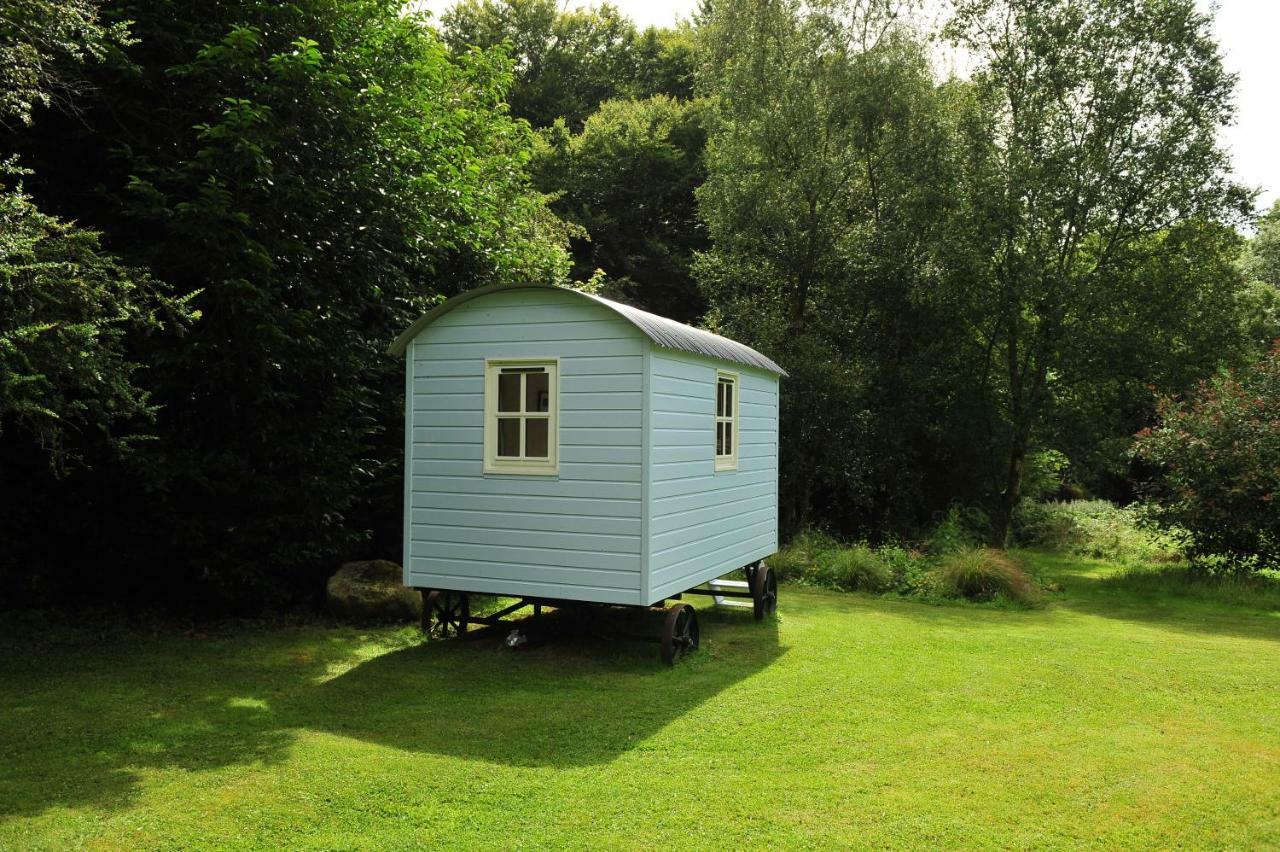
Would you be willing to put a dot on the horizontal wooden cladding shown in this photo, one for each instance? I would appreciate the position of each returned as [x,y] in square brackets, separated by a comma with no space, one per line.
[605,511]
[570,403]
[763,478]
[444,335]
[572,385]
[621,437]
[570,419]
[569,471]
[721,563]
[667,546]
[490,555]
[689,559]
[696,499]
[551,347]
[748,462]
[707,510]
[442,574]
[529,486]
[578,540]
[579,366]
[702,451]
[521,572]
[569,454]
[704,407]
[529,519]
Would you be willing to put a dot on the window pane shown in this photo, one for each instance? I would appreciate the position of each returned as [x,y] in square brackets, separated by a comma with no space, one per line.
[719,399]
[535,437]
[728,438]
[728,399]
[509,436]
[537,395]
[509,392]
[719,439]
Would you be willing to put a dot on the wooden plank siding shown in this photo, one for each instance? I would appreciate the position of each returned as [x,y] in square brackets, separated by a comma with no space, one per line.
[574,535]
[704,523]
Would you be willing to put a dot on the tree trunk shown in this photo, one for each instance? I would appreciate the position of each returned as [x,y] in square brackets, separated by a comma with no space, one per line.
[1012,495]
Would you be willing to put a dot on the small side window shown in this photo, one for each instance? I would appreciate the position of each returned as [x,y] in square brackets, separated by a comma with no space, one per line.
[726,421]
[521,411]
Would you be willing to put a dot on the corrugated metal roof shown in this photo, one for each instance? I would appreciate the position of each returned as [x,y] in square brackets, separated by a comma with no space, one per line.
[664,332]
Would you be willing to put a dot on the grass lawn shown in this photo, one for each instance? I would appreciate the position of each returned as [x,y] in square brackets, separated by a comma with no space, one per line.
[1109,717]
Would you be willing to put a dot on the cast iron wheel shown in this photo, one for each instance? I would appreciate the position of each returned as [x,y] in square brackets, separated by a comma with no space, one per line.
[445,613]
[764,592]
[679,633]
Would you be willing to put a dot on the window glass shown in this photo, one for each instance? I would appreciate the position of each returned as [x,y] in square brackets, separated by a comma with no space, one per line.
[509,436]
[509,391]
[537,392]
[535,437]
[726,422]
[521,414]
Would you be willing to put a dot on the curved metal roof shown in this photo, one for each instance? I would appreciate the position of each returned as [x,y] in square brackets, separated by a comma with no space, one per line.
[664,332]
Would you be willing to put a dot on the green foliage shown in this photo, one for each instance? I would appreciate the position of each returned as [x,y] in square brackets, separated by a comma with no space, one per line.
[568,61]
[41,44]
[318,171]
[1095,206]
[829,161]
[628,180]
[1096,529]
[1262,260]
[1217,460]
[67,380]
[961,528]
[983,574]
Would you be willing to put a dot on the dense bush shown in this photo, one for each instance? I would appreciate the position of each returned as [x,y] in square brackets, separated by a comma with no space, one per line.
[1217,457]
[1093,528]
[982,574]
[318,172]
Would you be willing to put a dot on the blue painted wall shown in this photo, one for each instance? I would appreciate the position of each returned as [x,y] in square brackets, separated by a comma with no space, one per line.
[575,535]
[637,511]
[703,523]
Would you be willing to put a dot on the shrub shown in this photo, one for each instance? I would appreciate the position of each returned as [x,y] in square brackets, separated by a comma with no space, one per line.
[796,561]
[853,568]
[962,527]
[982,574]
[1093,528]
[1218,460]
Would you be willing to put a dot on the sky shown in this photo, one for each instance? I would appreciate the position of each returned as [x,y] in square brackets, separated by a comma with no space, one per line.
[1247,30]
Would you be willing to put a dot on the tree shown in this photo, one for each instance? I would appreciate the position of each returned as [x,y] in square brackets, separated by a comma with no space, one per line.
[1094,134]
[628,180]
[566,63]
[829,166]
[67,381]
[42,43]
[319,172]
[1217,460]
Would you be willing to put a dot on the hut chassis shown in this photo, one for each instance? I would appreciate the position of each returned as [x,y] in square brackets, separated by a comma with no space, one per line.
[447,613]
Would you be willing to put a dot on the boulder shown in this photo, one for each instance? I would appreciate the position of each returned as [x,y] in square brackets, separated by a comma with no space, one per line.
[372,591]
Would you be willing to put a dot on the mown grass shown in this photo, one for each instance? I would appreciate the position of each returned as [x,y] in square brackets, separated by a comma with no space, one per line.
[1107,718]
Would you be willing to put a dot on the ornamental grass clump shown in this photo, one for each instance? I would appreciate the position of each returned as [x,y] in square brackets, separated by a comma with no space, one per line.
[984,574]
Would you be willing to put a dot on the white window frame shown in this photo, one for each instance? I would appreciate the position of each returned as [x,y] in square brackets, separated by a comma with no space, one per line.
[727,461]
[522,465]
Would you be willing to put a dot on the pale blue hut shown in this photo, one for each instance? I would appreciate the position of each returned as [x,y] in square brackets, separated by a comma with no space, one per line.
[564,447]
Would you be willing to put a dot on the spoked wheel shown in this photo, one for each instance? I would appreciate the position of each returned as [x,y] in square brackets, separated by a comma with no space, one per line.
[679,633]
[764,591]
[445,613]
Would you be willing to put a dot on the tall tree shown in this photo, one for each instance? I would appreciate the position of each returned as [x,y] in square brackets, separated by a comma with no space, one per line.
[828,172]
[628,180]
[318,171]
[566,62]
[1094,134]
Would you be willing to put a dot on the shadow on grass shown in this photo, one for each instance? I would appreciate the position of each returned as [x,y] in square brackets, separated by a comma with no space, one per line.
[80,726]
